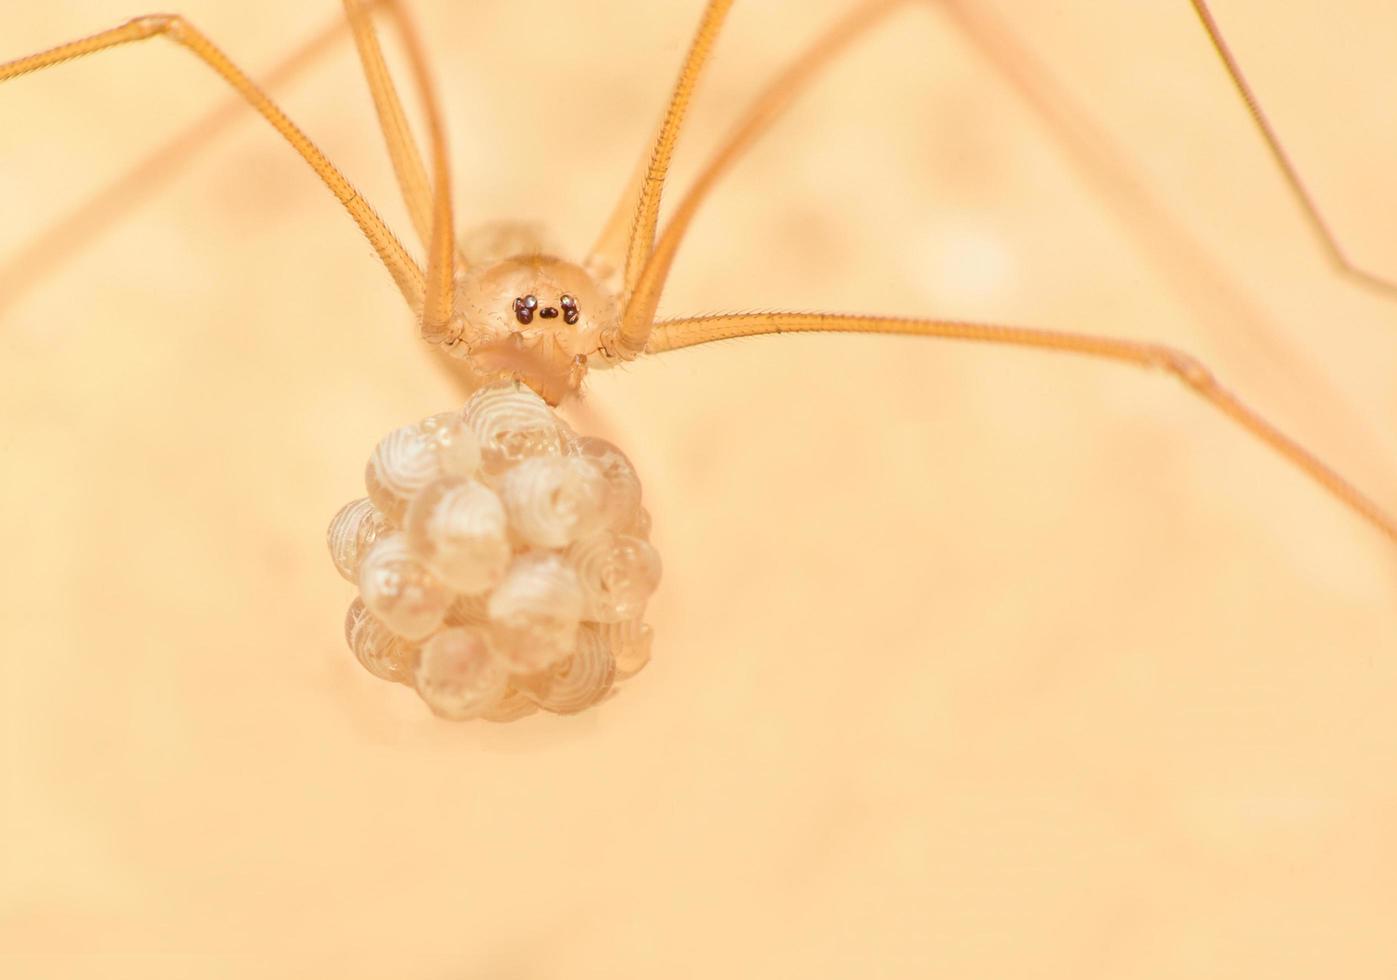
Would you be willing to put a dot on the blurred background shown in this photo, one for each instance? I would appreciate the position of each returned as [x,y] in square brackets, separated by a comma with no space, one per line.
[970,662]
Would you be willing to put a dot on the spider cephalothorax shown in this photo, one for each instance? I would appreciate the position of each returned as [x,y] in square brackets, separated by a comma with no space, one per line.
[532,318]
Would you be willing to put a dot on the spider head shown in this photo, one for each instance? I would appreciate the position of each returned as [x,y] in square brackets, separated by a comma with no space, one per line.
[535,319]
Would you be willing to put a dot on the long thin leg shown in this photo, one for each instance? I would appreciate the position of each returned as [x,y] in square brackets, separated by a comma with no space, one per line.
[1163,239]
[673,334]
[760,115]
[404,271]
[39,257]
[430,205]
[402,148]
[438,309]
[1337,256]
[631,339]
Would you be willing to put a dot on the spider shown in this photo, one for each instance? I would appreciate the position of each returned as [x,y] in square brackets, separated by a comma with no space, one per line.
[998,663]
[547,321]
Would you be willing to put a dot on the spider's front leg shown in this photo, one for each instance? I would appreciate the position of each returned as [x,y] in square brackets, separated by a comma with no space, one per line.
[405,272]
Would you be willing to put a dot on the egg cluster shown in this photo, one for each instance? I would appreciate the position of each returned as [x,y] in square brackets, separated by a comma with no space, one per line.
[503,562]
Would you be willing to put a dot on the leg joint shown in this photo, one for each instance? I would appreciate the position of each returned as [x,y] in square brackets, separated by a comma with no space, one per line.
[153,24]
[1187,368]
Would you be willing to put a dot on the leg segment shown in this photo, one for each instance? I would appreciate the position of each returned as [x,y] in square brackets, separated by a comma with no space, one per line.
[1337,256]
[402,148]
[760,115]
[632,334]
[438,309]
[401,267]
[674,334]
[1163,239]
[38,258]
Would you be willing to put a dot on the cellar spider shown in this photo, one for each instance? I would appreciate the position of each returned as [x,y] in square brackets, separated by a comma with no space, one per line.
[1098,615]
[632,257]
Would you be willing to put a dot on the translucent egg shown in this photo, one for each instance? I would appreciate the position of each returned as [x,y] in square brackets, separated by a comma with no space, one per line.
[630,644]
[513,706]
[577,682]
[409,458]
[553,500]
[468,610]
[456,446]
[512,423]
[640,527]
[457,675]
[400,591]
[352,532]
[618,574]
[623,486]
[535,612]
[378,650]
[458,527]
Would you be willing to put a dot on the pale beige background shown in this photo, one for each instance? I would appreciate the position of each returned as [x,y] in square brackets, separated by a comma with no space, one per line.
[970,663]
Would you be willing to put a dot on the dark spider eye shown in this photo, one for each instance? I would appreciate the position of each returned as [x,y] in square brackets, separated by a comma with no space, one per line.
[524,308]
[570,309]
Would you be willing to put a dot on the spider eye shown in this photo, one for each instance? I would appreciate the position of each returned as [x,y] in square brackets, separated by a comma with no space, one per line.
[524,307]
[570,309]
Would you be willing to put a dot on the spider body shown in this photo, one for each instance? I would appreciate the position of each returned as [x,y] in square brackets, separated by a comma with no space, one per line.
[954,646]
[549,313]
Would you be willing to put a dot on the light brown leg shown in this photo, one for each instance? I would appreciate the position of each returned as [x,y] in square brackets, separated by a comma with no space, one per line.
[37,259]
[432,215]
[1330,242]
[759,117]
[631,339]
[402,148]
[400,265]
[1172,249]
[673,334]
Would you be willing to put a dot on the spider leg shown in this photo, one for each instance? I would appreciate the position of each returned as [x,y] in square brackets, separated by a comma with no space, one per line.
[631,341]
[402,148]
[39,257]
[670,335]
[1313,216]
[436,225]
[1236,319]
[764,110]
[405,272]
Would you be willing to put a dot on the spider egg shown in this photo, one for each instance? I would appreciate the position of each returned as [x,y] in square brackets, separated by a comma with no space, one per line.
[630,644]
[352,532]
[512,423]
[377,650]
[513,706]
[458,528]
[640,527]
[553,500]
[468,610]
[618,574]
[409,458]
[400,591]
[457,676]
[623,486]
[576,683]
[535,612]
[456,447]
